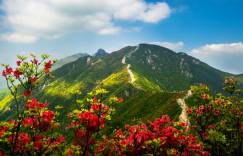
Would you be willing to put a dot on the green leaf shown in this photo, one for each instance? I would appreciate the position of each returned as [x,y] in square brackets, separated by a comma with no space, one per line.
[32,55]
[58,107]
[19,57]
[47,56]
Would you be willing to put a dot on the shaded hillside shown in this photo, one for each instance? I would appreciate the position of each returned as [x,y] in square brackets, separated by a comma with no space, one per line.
[155,66]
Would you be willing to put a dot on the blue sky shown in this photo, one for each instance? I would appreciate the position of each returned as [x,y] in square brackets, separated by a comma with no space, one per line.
[211,30]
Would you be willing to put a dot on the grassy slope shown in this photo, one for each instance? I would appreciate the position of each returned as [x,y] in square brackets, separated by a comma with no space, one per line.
[144,106]
[4,93]
[168,74]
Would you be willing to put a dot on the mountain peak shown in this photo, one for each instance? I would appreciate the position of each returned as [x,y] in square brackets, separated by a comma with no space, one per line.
[100,52]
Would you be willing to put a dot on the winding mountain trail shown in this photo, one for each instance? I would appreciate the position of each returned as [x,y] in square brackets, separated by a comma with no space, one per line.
[128,67]
[181,101]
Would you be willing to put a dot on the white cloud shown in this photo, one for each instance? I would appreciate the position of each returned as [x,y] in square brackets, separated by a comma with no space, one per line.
[18,38]
[226,57]
[54,18]
[211,50]
[155,13]
[109,31]
[172,46]
[140,10]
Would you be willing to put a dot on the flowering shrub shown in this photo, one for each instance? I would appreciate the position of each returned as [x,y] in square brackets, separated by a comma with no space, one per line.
[35,135]
[217,120]
[163,139]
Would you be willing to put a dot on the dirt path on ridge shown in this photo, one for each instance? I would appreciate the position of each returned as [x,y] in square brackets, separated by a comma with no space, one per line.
[181,101]
[128,67]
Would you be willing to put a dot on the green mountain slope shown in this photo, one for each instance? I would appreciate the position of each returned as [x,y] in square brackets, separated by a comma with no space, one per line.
[156,69]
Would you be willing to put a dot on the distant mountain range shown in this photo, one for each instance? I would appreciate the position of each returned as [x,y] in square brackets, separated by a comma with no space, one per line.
[68,59]
[160,75]
[2,82]
[74,57]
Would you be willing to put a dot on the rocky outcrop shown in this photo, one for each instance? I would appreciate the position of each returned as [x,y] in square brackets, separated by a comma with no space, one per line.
[100,52]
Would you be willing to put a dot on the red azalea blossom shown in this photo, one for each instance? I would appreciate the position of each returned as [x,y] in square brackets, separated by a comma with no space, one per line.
[205,96]
[18,63]
[17,73]
[216,112]
[27,93]
[204,135]
[9,70]
[34,80]
[32,104]
[47,67]
[22,139]
[35,61]
[144,126]
[226,81]
[37,145]
[28,122]
[4,73]
[60,139]
[41,105]
[189,111]
[95,99]
[47,117]
[119,133]
[183,124]
[13,122]
[70,154]
[120,100]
